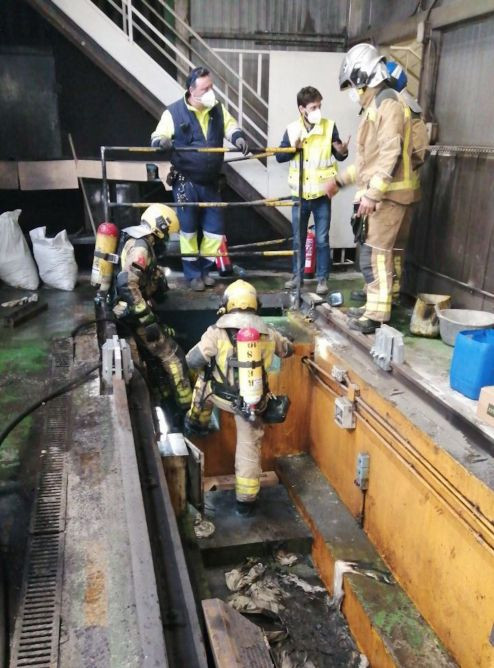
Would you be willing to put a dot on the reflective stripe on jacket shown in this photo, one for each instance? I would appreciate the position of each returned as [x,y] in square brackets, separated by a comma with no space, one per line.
[319,164]
[383,167]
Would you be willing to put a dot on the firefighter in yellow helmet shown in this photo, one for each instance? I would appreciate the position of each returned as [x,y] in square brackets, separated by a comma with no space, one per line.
[138,283]
[233,358]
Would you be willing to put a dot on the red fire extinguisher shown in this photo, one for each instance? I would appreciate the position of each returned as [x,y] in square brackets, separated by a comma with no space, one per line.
[310,254]
[223,263]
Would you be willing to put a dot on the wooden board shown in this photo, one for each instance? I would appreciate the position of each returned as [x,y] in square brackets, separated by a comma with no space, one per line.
[8,175]
[235,642]
[219,482]
[48,175]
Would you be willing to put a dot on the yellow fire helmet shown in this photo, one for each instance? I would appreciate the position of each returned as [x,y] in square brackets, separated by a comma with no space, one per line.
[240,295]
[161,219]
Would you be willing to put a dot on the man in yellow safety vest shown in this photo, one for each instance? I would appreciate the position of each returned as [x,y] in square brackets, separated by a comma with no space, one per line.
[321,144]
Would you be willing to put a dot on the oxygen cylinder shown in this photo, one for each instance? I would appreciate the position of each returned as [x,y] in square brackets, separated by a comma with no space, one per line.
[310,253]
[104,258]
[250,365]
[224,264]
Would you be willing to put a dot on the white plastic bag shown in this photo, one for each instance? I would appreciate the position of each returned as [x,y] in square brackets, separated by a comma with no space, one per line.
[55,259]
[17,267]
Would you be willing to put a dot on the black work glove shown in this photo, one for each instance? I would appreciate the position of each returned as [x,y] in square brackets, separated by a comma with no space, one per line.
[165,144]
[152,332]
[168,331]
[242,145]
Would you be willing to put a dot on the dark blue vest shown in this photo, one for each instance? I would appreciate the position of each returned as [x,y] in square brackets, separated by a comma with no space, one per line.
[202,168]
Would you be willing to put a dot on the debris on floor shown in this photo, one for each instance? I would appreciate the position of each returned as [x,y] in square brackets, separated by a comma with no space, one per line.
[285,598]
[19,302]
[203,528]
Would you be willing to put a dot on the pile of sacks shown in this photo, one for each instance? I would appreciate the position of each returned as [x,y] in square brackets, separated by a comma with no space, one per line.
[54,257]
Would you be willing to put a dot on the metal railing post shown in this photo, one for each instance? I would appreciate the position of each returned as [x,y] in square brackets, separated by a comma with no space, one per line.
[240,88]
[130,20]
[301,251]
[106,193]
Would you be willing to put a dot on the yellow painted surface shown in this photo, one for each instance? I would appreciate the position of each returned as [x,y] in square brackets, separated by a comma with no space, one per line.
[416,518]
[369,641]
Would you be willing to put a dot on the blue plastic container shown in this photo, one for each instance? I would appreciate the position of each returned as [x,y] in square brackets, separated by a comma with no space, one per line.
[472,366]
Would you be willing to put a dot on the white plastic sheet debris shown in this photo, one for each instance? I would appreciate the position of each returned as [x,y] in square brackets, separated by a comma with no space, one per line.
[19,302]
[239,579]
[17,266]
[203,528]
[55,259]
[341,567]
[285,558]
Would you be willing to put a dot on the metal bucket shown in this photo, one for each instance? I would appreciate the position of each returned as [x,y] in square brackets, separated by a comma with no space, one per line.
[425,321]
[454,320]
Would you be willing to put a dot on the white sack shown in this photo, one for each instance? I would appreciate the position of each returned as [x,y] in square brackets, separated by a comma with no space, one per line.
[55,259]
[17,267]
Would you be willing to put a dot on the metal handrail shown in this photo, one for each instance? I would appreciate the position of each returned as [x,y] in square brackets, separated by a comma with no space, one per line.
[211,58]
[171,46]
[190,48]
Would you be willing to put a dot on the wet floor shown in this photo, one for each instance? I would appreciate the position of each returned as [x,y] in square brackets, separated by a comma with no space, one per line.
[24,370]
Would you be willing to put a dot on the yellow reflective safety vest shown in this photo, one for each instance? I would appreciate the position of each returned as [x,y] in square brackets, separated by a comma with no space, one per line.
[384,167]
[319,163]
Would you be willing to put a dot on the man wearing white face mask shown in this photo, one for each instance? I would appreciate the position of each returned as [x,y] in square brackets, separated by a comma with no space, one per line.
[198,120]
[321,143]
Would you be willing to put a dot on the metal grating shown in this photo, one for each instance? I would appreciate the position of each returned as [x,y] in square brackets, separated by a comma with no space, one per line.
[37,629]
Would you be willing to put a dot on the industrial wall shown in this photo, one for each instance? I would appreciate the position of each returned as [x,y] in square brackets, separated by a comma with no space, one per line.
[450,248]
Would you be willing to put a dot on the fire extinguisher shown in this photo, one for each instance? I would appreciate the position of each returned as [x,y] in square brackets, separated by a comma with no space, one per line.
[250,370]
[223,263]
[310,254]
[104,255]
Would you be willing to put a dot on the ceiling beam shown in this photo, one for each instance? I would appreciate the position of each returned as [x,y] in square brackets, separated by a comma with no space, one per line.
[440,18]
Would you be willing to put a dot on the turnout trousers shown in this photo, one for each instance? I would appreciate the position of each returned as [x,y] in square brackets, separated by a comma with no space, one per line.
[376,257]
[172,360]
[248,444]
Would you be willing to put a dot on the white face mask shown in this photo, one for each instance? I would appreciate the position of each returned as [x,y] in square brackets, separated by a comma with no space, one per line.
[354,95]
[208,99]
[314,116]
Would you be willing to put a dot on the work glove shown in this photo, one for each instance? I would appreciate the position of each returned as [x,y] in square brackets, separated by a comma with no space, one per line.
[165,144]
[121,309]
[152,332]
[168,331]
[242,145]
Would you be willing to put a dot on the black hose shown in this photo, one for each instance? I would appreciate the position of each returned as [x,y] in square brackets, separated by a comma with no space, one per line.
[40,402]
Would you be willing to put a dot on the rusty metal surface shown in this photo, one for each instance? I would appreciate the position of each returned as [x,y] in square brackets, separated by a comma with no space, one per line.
[183,636]
[109,599]
[36,634]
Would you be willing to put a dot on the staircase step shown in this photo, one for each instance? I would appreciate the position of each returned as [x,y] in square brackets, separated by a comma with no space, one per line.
[276,523]
[382,618]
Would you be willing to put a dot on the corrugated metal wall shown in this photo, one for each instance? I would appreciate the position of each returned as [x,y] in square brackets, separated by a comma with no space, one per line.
[367,14]
[230,18]
[465,85]
[453,232]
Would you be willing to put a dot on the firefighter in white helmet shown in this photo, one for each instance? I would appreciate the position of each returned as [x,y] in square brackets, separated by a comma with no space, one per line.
[385,172]
[230,381]
[138,283]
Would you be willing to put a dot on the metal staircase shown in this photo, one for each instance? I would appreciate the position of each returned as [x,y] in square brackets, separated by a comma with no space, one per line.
[148,49]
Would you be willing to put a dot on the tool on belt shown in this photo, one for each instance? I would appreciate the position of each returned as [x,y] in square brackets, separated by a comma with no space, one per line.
[359,226]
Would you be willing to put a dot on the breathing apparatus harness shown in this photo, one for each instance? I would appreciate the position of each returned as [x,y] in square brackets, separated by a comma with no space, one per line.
[271,408]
